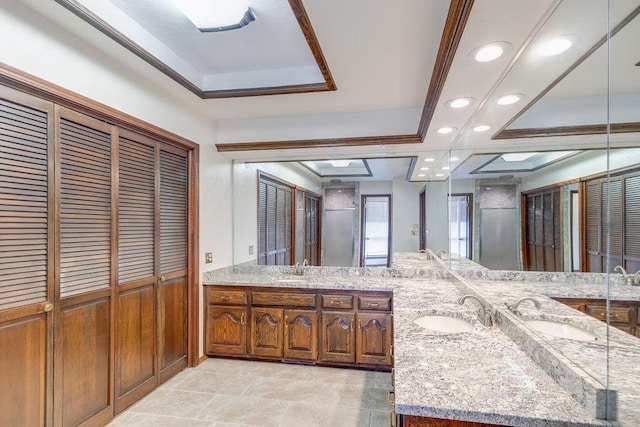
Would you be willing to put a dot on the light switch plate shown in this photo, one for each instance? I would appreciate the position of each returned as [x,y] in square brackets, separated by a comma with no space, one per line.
[208,258]
[251,250]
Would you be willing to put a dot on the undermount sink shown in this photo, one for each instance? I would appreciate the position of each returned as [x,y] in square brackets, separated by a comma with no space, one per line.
[445,324]
[561,330]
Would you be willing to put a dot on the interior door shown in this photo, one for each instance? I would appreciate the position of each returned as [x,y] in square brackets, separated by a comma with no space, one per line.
[83,368]
[26,260]
[172,294]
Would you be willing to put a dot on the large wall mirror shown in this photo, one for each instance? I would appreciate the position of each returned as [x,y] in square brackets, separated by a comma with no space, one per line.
[555,188]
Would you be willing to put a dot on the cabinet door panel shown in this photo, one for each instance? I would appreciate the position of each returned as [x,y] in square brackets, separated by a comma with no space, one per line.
[173,324]
[301,334]
[266,332]
[337,337]
[374,338]
[226,330]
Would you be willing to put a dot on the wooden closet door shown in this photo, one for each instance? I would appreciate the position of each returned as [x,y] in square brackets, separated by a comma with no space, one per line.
[83,372]
[136,343]
[26,260]
[172,295]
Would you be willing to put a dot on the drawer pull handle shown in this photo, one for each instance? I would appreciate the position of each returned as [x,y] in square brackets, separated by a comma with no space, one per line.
[373,304]
[242,319]
[352,324]
[225,298]
[391,397]
[335,302]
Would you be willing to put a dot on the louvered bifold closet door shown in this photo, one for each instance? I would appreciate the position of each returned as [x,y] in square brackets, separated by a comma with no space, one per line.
[611,224]
[592,226]
[172,308]
[26,263]
[85,273]
[136,301]
[632,223]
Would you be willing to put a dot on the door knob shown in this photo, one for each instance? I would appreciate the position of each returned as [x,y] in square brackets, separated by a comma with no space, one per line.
[162,278]
[47,307]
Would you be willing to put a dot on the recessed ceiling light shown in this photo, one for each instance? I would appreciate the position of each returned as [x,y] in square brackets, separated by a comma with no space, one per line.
[429,159]
[509,99]
[490,52]
[554,46]
[459,102]
[439,174]
[421,175]
[445,168]
[445,130]
[454,159]
[216,16]
[424,169]
[481,128]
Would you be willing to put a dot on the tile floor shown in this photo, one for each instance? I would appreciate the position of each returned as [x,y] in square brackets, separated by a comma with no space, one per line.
[227,393]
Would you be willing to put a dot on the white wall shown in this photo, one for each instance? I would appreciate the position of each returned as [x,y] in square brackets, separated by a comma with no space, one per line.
[245,209]
[405,214]
[437,215]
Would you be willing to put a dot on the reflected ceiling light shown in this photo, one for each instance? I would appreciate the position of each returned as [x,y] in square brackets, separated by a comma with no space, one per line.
[219,15]
[340,163]
[424,169]
[445,130]
[490,52]
[445,168]
[459,102]
[439,174]
[517,157]
[554,46]
[454,159]
[429,159]
[481,128]
[509,99]
[421,175]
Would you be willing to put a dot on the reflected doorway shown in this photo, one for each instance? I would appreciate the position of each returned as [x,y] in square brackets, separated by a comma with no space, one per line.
[460,225]
[375,244]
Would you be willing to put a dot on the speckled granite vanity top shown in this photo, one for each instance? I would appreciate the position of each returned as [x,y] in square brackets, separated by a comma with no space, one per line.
[481,375]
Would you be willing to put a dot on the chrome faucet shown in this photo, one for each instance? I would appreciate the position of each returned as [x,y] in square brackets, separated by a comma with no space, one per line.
[619,269]
[628,279]
[482,312]
[514,308]
[440,252]
[299,268]
[636,279]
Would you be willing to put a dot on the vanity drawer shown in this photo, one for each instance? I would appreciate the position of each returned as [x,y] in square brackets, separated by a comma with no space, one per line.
[617,314]
[221,297]
[374,302]
[284,299]
[337,301]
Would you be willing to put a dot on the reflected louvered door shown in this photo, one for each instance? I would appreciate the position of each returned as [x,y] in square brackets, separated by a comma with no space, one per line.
[135,363]
[312,229]
[172,298]
[632,223]
[593,196]
[262,223]
[557,230]
[615,223]
[539,232]
[530,233]
[83,318]
[26,259]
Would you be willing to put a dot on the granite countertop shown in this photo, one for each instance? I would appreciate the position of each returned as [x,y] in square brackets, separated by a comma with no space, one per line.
[479,376]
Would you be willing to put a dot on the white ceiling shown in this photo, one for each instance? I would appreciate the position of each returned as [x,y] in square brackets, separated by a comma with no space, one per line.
[382,54]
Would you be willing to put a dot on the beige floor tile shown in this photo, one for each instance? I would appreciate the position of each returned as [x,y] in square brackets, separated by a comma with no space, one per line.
[175,403]
[277,370]
[215,382]
[302,414]
[383,380]
[223,365]
[243,410]
[172,382]
[290,390]
[343,376]
[380,419]
[362,398]
[151,420]
[123,418]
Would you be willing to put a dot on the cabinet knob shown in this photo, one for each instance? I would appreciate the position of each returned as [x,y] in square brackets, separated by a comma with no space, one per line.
[162,278]
[242,319]
[47,307]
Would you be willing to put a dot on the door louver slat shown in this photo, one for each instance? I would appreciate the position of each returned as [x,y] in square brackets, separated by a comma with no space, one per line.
[173,212]
[23,205]
[85,209]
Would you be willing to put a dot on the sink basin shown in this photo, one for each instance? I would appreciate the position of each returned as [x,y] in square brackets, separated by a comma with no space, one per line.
[445,324]
[561,330]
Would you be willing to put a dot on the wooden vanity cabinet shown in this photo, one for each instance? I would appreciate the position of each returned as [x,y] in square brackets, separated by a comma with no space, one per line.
[346,328]
[623,315]
[416,421]
[226,322]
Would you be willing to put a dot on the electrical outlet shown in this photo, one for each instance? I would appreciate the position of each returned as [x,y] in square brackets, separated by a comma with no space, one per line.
[208,258]
[251,250]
